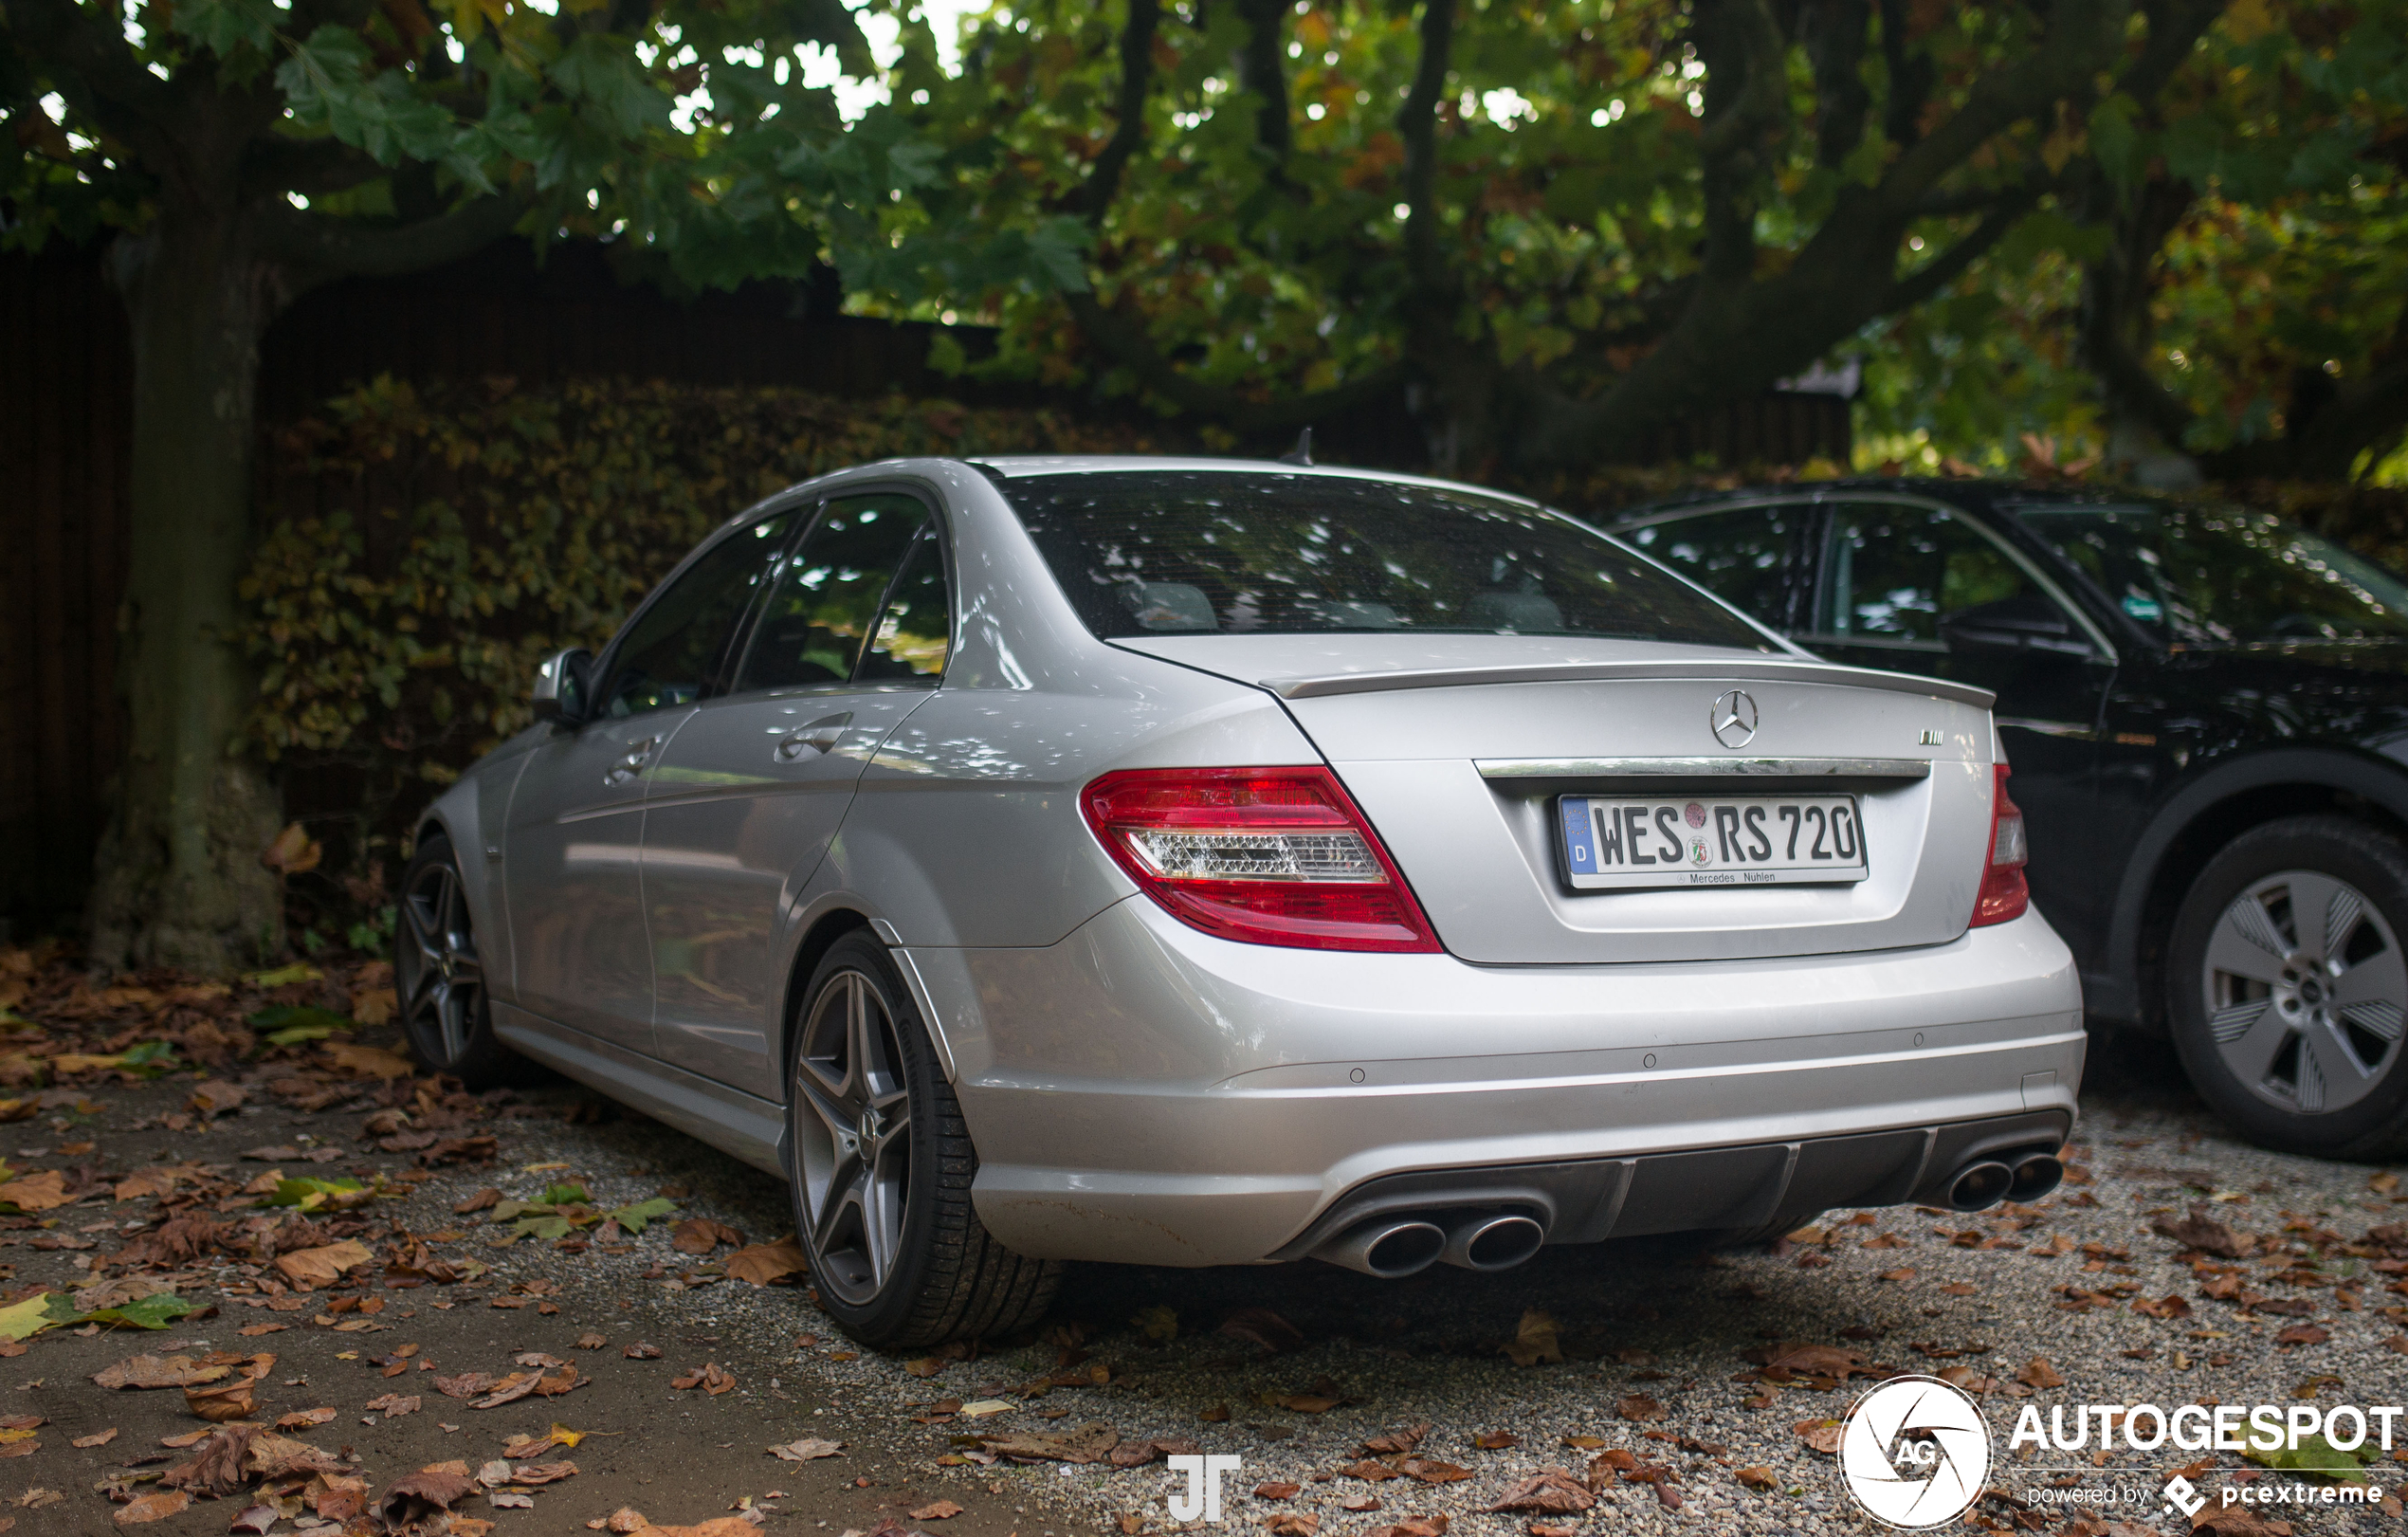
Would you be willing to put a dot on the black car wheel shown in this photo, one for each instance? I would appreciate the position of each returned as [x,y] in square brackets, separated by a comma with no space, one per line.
[882,1166]
[2290,984]
[440,979]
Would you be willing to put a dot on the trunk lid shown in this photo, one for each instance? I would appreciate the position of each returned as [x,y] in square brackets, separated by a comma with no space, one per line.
[1459,747]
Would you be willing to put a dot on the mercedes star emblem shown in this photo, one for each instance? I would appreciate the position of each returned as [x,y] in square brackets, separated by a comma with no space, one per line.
[1734,719]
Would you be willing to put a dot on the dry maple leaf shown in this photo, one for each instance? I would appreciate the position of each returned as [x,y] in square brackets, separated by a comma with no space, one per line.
[1534,1340]
[237,1400]
[323,1266]
[1638,1408]
[37,1193]
[1276,1489]
[937,1510]
[640,1351]
[1395,1441]
[764,1264]
[216,1469]
[272,1456]
[393,1405]
[1822,1434]
[544,1473]
[1756,1478]
[414,1497]
[1496,1441]
[2038,1372]
[1291,1524]
[700,1235]
[2202,1232]
[1412,1526]
[591,1341]
[1136,1454]
[98,1438]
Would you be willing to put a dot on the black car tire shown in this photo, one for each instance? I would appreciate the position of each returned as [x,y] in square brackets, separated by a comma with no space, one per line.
[2351,1100]
[446,1018]
[902,1260]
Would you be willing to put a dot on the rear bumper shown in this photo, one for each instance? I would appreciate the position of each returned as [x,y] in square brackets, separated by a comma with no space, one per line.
[1142,1092]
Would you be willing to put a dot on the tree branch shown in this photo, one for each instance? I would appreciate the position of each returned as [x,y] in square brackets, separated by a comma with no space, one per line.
[319,248]
[312,166]
[1746,102]
[1262,69]
[1129,135]
[1950,265]
[1833,37]
[1418,124]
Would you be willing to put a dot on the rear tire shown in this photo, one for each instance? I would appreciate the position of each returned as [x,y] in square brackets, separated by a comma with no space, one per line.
[445,1017]
[881,1166]
[2288,987]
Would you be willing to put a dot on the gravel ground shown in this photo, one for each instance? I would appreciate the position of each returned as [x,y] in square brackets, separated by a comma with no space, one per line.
[1178,1355]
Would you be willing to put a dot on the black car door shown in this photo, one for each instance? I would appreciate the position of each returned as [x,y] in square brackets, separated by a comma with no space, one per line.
[1915,587]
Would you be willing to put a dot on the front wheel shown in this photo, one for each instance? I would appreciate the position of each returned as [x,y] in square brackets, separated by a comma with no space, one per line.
[882,1164]
[2288,986]
[440,977]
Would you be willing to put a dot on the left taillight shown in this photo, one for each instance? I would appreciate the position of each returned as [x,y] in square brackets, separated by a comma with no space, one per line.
[2005,894]
[1266,855]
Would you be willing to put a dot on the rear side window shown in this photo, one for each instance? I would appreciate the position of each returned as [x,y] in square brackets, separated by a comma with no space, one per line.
[828,593]
[1251,552]
[1893,573]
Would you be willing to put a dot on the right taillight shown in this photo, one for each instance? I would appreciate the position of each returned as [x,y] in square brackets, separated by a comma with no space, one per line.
[2003,894]
[1266,855]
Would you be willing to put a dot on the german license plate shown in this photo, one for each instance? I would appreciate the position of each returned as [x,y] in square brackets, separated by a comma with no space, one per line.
[1717,840]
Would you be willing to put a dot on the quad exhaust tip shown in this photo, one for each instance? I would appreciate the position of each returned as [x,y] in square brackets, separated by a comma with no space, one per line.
[1494,1242]
[1390,1248]
[1393,1248]
[2036,1175]
[1978,1186]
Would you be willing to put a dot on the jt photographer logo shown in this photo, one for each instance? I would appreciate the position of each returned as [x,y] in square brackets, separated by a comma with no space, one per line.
[1915,1453]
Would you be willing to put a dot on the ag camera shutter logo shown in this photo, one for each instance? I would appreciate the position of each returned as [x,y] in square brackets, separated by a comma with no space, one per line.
[1914,1453]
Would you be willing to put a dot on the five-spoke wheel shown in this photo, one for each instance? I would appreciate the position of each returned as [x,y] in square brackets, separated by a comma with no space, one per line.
[2290,987]
[883,1165]
[436,970]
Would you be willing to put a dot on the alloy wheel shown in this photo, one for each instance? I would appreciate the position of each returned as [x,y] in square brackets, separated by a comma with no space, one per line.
[2306,990]
[446,990]
[852,1133]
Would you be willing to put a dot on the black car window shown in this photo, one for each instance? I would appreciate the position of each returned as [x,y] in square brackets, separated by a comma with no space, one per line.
[913,634]
[1745,556]
[2224,577]
[1257,552]
[680,647]
[1892,573]
[813,628]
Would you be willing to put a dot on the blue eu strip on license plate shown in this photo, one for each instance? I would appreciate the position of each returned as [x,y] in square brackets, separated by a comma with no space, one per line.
[1619,841]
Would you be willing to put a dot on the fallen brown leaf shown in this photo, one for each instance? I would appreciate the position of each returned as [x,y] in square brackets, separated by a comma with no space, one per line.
[324,1265]
[98,1438]
[1277,1491]
[640,1351]
[2038,1372]
[806,1450]
[1260,1326]
[151,1508]
[1640,1407]
[764,1264]
[1552,1492]
[157,1371]
[937,1510]
[1291,1524]
[237,1400]
[1822,1434]
[1756,1478]
[700,1235]
[39,1193]
[1496,1441]
[591,1341]
[1534,1339]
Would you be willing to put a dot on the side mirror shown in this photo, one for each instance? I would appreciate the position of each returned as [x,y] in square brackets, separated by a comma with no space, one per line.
[561,685]
[2014,626]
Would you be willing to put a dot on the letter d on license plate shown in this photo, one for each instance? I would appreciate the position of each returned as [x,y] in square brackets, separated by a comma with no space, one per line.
[1722,840]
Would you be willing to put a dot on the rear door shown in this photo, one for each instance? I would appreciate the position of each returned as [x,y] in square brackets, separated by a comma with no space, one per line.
[576,817]
[749,793]
[1919,588]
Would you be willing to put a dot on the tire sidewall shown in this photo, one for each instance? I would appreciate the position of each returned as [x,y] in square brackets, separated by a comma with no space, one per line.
[2348,850]
[887,1313]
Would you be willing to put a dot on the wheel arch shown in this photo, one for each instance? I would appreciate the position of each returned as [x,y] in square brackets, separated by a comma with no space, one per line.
[2217,805]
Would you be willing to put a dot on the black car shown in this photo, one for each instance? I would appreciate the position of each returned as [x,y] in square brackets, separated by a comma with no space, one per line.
[2206,712]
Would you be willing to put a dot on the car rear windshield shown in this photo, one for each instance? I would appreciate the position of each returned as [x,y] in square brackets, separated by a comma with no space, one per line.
[1248,552]
[2223,575]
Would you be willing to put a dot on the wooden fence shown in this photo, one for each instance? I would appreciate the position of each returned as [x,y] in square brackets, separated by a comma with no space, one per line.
[66,406]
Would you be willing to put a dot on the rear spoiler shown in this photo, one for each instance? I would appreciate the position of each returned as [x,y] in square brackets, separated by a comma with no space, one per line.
[1768,670]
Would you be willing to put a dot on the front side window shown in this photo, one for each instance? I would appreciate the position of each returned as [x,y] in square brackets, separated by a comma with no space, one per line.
[814,627]
[1747,556]
[680,646]
[1257,552]
[2224,577]
[1893,573]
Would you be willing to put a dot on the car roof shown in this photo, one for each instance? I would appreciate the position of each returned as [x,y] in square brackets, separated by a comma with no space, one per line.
[1022,465]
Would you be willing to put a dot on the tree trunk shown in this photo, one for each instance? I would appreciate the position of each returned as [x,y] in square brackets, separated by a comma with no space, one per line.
[179,880]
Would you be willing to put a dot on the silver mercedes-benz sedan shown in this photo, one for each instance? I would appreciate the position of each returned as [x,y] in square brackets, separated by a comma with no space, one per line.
[1198,862]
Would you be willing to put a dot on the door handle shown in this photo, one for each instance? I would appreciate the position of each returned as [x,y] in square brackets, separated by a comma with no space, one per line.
[633,764]
[821,736]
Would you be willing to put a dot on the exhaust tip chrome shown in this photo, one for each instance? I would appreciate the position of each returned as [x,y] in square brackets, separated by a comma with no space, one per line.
[1495,1242]
[1391,1249]
[2035,1175]
[1979,1186]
